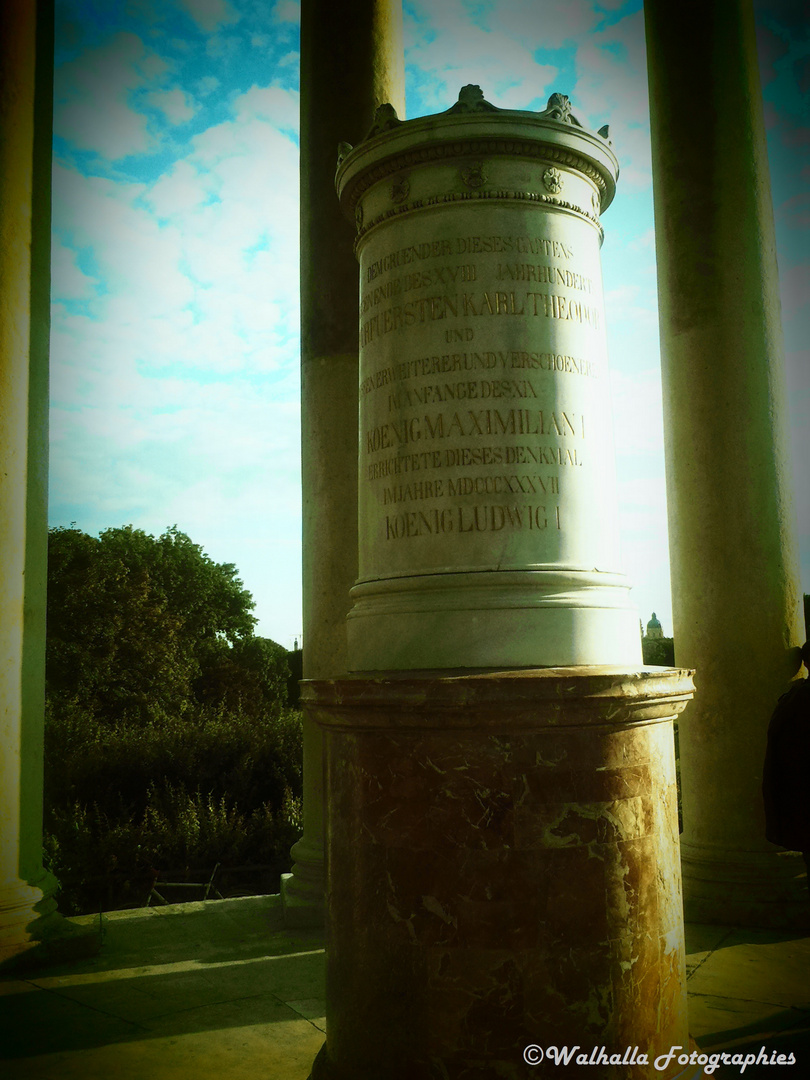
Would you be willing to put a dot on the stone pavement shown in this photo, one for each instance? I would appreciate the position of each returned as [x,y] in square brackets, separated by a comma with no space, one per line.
[748,989]
[214,990]
[221,991]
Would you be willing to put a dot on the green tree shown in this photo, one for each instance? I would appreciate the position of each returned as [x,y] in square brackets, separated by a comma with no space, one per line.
[249,677]
[658,652]
[135,621]
[168,743]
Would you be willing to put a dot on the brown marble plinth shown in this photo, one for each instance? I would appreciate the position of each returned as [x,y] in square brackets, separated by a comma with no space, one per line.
[502,868]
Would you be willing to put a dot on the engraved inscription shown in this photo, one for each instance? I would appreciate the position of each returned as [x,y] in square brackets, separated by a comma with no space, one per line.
[514,484]
[466,456]
[470,305]
[551,275]
[386,308]
[460,391]
[462,441]
[467,245]
[470,423]
[473,361]
[420,279]
[491,517]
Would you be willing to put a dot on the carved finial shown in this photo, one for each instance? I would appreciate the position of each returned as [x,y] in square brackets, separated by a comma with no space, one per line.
[605,133]
[470,95]
[559,104]
[471,99]
[344,149]
[559,108]
[385,118]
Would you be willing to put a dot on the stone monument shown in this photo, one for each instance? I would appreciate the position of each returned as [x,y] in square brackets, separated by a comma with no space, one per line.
[487,505]
[501,843]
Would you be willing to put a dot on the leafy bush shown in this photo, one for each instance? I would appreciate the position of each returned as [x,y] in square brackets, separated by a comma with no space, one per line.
[126,802]
[168,743]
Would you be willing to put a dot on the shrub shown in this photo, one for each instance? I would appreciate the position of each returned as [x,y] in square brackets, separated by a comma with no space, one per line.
[126,801]
[168,743]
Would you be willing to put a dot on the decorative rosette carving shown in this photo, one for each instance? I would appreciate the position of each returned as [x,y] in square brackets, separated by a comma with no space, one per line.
[473,175]
[552,180]
[400,189]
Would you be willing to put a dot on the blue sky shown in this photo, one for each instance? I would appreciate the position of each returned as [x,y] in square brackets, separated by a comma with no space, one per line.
[175,334]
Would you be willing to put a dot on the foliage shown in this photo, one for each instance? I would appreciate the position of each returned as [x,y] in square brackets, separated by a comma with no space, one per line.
[134,620]
[122,801]
[168,743]
[658,652]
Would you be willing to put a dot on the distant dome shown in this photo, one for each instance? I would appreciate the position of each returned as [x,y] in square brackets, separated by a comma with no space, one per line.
[654,628]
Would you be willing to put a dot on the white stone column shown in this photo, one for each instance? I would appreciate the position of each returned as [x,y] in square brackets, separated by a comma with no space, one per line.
[352,61]
[27,907]
[736,595]
[487,505]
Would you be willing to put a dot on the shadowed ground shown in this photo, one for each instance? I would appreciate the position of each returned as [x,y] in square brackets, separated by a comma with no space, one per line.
[221,991]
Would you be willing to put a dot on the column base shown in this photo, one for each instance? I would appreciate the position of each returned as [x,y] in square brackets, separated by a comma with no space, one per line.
[33,933]
[302,891]
[746,888]
[503,872]
[492,619]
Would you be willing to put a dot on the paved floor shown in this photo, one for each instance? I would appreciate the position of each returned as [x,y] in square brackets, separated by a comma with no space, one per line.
[221,991]
[750,989]
[202,991]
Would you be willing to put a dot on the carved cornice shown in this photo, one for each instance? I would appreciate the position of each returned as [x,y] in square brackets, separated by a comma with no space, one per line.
[493,146]
[502,195]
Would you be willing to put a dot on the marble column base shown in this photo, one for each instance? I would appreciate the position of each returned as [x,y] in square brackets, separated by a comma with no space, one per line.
[32,931]
[746,888]
[502,870]
[302,891]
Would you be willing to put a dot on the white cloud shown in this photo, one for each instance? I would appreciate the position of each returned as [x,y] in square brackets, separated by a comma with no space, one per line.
[271,104]
[91,107]
[207,85]
[220,460]
[794,287]
[544,25]
[69,282]
[178,401]
[638,419]
[201,266]
[287,11]
[611,88]
[210,14]
[177,106]
[445,52]
[181,190]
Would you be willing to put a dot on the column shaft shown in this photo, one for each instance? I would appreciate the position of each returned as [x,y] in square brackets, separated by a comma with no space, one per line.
[351,62]
[26,71]
[736,597]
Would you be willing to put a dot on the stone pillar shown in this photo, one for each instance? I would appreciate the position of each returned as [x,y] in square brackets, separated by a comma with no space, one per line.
[504,873]
[735,588]
[29,924]
[502,846]
[487,502]
[352,60]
